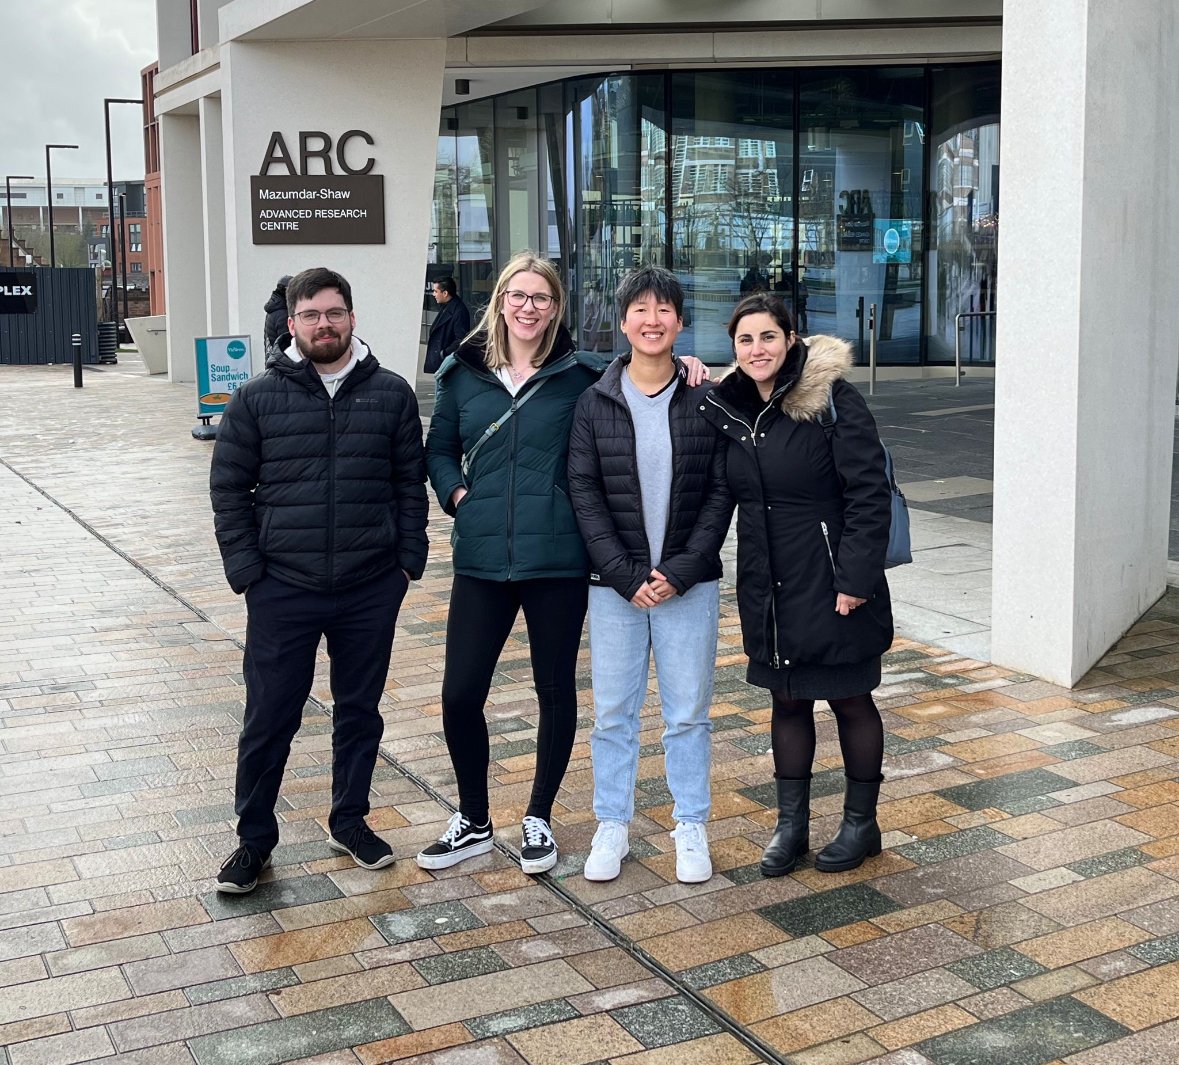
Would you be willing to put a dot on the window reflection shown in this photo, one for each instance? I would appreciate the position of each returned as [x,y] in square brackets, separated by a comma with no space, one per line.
[732,183]
[698,171]
[964,212]
[860,218]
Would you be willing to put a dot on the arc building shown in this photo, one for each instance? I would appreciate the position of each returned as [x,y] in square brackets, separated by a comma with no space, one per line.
[847,154]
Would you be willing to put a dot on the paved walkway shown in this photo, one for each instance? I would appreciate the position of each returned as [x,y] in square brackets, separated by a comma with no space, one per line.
[1025,911]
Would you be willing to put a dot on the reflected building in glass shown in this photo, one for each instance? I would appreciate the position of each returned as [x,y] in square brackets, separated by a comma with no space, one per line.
[835,188]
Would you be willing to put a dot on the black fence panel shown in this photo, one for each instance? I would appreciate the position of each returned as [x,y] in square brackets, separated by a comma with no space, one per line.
[65,303]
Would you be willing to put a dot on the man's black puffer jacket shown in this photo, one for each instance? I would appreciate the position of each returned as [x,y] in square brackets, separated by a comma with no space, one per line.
[323,493]
[604,487]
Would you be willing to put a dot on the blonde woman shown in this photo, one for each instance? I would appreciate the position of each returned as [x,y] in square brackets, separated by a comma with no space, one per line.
[516,542]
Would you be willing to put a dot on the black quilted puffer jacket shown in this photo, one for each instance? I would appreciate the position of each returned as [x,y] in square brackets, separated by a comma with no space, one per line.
[604,487]
[322,492]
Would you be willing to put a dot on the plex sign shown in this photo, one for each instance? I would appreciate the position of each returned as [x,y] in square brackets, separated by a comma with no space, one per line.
[343,202]
[18,292]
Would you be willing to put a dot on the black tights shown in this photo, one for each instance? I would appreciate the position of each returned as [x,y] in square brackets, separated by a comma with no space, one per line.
[861,736]
[480,620]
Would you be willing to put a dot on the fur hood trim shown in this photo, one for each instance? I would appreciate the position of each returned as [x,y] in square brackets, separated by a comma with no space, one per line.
[828,359]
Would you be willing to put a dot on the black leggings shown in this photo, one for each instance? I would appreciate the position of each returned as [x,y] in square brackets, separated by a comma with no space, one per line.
[481,617]
[861,736]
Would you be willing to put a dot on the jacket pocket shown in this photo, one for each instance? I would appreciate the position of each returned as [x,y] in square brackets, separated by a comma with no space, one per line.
[827,544]
[264,528]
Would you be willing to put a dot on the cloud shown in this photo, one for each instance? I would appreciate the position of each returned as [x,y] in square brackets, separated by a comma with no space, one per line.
[62,57]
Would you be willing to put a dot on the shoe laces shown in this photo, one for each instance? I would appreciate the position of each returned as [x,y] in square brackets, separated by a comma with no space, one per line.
[536,832]
[689,836]
[358,835]
[609,834]
[455,827]
[244,856]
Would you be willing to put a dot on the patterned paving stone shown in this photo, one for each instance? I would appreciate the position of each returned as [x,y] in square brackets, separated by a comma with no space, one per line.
[443,968]
[995,968]
[295,1037]
[1035,1035]
[670,1020]
[517,1020]
[270,895]
[426,922]
[819,912]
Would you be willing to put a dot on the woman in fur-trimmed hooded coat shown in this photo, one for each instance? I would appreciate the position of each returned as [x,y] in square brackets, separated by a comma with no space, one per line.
[812,530]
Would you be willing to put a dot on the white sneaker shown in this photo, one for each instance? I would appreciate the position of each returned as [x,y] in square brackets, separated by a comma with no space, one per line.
[692,862]
[611,844]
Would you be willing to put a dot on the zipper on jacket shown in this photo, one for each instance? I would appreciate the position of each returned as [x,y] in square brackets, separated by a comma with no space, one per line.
[827,541]
[331,559]
[774,626]
[512,489]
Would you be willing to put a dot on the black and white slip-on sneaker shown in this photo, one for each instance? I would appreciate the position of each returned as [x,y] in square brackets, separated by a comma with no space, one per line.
[538,849]
[461,840]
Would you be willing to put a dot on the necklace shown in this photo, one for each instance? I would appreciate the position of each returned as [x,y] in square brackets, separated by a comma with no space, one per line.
[517,375]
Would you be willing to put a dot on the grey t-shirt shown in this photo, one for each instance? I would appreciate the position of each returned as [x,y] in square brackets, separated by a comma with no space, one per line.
[653,446]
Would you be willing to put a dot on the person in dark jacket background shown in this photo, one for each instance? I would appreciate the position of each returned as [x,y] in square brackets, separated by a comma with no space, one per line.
[319,505]
[812,530]
[450,325]
[276,313]
[647,479]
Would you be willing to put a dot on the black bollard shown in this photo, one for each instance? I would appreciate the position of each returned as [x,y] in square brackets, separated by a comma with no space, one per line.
[77,360]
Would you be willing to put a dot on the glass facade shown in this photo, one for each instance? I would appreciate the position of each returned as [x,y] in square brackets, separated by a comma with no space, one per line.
[836,188]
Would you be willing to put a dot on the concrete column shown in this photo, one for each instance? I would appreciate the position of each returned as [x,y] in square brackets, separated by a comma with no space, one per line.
[1088,279]
[388,88]
[184,241]
[213,193]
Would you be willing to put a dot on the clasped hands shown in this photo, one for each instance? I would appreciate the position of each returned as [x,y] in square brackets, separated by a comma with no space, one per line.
[654,590]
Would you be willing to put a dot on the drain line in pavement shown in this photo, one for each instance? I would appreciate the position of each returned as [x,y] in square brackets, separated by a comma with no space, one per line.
[555,887]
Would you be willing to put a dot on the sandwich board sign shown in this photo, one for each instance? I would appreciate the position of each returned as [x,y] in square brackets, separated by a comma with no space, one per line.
[222,363]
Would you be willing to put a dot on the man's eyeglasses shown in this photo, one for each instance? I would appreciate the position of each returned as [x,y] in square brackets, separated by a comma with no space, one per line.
[336,315]
[516,298]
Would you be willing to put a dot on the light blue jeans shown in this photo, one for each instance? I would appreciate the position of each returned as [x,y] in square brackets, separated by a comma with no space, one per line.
[682,632]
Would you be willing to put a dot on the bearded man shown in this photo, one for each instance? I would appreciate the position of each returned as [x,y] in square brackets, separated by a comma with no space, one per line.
[319,506]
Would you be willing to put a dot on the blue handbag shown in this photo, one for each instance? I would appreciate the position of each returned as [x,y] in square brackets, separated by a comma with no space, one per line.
[900,548]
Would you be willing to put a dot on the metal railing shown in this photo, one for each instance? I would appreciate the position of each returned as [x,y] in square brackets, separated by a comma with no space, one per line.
[958,339]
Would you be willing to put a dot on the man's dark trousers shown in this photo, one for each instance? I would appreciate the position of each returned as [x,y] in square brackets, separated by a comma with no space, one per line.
[283,628]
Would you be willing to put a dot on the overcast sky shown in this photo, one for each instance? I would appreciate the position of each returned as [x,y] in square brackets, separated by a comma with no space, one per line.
[61,58]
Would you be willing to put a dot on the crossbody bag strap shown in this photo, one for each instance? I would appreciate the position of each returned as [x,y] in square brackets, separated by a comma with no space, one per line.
[498,424]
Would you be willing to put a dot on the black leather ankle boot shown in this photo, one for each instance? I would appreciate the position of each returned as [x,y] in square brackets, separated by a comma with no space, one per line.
[859,834]
[791,838]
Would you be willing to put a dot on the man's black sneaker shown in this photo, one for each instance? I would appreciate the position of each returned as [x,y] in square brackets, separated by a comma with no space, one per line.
[239,874]
[366,847]
[460,840]
[538,849]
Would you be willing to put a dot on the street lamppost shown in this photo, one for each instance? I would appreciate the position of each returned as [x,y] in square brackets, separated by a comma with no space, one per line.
[110,200]
[123,251]
[8,200]
[49,197]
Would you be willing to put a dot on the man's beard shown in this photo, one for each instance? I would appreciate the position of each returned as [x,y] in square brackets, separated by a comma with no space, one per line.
[324,353]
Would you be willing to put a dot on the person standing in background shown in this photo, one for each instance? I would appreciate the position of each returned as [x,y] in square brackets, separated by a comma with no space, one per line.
[450,325]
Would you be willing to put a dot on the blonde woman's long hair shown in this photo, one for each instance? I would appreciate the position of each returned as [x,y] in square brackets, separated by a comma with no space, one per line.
[494,328]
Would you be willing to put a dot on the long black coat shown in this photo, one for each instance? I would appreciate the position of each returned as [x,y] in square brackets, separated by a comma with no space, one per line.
[450,326]
[813,513]
[324,493]
[604,486]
